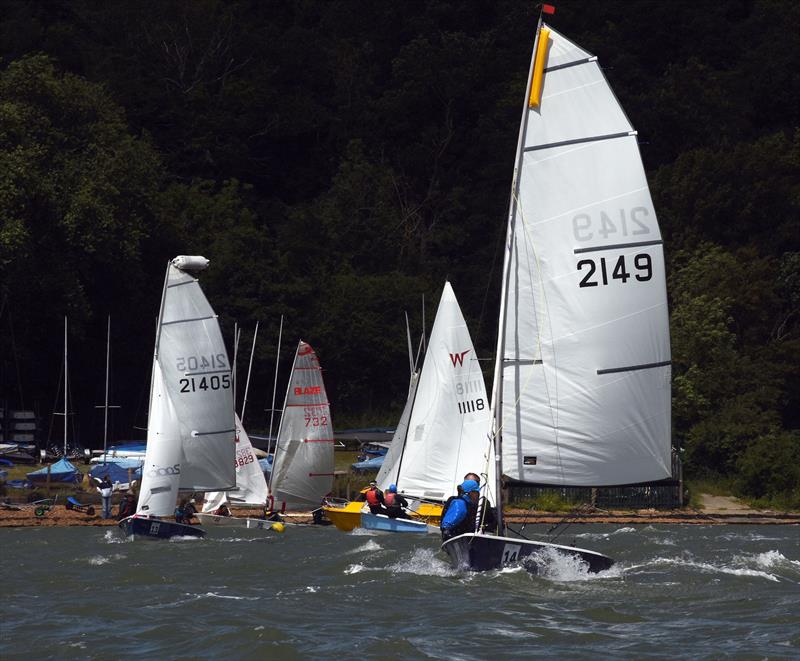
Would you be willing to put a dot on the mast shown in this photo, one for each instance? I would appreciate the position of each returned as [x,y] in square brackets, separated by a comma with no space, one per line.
[497,387]
[274,388]
[106,406]
[249,369]
[66,389]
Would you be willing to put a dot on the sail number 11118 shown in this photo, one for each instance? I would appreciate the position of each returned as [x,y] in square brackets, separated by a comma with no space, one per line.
[597,271]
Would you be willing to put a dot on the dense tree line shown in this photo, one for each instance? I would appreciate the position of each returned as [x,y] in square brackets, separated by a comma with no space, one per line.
[338,160]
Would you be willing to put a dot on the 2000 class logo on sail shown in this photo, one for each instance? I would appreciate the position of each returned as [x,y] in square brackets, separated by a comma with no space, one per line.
[162,471]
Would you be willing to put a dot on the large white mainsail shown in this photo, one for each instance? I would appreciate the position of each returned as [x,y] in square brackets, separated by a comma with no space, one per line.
[583,360]
[302,469]
[251,486]
[190,434]
[447,430]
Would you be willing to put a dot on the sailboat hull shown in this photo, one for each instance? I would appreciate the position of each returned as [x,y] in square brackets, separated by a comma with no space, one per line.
[139,526]
[481,552]
[383,523]
[214,520]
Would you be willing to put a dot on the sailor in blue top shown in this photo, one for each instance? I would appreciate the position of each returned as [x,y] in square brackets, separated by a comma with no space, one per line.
[460,515]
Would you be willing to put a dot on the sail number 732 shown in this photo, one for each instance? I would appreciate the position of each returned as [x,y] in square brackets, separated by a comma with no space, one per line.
[596,271]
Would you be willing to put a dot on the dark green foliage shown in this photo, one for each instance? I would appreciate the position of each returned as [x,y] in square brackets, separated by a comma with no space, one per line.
[769,470]
[338,160]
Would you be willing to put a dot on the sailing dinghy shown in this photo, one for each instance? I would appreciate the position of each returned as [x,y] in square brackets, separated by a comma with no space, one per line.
[581,392]
[191,429]
[250,491]
[302,468]
[443,434]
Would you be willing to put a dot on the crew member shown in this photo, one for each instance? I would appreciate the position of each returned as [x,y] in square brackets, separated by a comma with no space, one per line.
[375,499]
[189,510]
[395,503]
[222,510]
[460,516]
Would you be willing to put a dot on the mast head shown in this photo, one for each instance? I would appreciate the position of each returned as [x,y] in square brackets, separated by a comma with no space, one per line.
[190,263]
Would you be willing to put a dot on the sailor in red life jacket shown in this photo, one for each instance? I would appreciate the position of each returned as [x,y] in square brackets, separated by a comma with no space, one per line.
[395,503]
[375,499]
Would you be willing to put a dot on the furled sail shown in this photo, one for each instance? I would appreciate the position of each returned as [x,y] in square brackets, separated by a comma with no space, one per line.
[302,472]
[583,348]
[190,436]
[448,427]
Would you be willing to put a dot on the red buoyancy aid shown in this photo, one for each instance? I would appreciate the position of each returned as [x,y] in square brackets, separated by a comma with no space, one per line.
[389,499]
[372,497]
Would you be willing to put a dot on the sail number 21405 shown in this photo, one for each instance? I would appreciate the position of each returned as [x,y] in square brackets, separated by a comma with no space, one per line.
[601,272]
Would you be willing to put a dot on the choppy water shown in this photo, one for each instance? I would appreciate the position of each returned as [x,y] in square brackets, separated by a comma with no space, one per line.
[676,592]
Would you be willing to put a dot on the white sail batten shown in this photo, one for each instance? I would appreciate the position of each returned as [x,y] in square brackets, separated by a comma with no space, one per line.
[450,419]
[302,471]
[584,350]
[251,486]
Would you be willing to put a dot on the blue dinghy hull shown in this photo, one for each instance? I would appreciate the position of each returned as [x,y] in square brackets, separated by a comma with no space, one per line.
[141,526]
[481,552]
[385,524]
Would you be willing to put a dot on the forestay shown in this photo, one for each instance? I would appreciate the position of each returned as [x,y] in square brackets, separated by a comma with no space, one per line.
[585,345]
[302,473]
[449,423]
[190,436]
[251,487]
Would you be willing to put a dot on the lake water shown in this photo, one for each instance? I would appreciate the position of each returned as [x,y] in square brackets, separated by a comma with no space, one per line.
[677,592]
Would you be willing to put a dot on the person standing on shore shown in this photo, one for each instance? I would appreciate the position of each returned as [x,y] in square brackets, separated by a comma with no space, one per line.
[106,489]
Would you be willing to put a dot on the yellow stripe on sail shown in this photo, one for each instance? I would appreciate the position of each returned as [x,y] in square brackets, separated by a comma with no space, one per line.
[538,68]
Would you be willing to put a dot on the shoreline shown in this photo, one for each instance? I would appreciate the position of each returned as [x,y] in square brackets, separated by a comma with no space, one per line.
[59,516]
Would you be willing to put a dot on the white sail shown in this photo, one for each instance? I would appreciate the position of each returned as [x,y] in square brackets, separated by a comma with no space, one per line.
[302,470]
[449,421]
[190,436]
[161,476]
[388,471]
[583,352]
[251,487]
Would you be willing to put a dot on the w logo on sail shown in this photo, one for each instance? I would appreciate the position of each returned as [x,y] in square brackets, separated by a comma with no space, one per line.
[458,358]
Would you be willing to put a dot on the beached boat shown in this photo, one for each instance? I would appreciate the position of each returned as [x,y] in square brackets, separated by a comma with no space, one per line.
[191,429]
[581,392]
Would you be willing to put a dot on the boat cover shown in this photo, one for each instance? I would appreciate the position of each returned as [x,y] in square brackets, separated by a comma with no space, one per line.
[61,471]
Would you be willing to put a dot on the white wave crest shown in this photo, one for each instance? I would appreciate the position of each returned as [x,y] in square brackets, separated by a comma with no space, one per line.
[113,537]
[423,562]
[362,532]
[370,545]
[98,560]
[561,567]
[215,595]
[355,569]
[708,567]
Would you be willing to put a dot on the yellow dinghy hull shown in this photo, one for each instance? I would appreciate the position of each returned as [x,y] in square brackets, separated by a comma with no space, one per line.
[347,517]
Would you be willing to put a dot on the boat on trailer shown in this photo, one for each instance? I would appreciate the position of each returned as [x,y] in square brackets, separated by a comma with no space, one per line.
[581,393]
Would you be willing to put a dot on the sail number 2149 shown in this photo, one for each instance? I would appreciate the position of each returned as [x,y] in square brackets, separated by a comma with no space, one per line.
[600,272]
